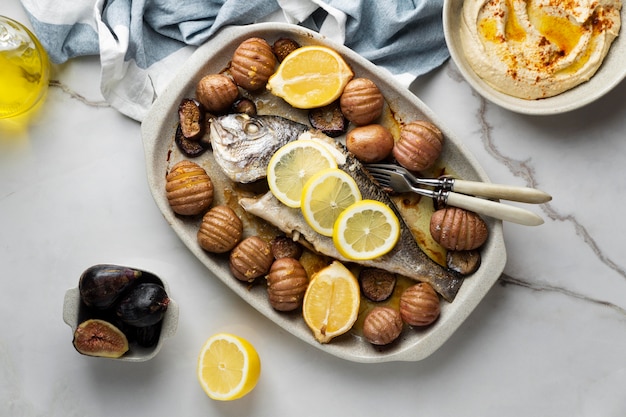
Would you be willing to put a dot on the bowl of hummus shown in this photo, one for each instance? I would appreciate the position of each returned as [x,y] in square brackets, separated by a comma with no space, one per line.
[537,57]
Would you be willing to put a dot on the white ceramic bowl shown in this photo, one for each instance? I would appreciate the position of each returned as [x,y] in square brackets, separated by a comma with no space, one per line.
[609,75]
[75,312]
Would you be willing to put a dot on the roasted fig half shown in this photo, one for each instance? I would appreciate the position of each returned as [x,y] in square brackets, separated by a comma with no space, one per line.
[285,247]
[191,117]
[100,285]
[283,47]
[329,119]
[464,262]
[143,305]
[377,284]
[245,105]
[191,147]
[97,337]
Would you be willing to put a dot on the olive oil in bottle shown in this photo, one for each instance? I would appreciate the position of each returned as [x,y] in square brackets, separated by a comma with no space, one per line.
[24,69]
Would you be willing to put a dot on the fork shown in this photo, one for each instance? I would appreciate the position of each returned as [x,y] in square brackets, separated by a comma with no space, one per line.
[476,188]
[401,183]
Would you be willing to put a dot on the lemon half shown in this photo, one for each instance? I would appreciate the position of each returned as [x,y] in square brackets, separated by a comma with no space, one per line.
[310,76]
[228,367]
[331,302]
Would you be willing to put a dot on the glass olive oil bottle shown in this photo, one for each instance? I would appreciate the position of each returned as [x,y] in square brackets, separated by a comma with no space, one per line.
[24,69]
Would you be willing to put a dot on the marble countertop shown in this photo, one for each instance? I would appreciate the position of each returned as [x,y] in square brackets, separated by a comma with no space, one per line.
[547,340]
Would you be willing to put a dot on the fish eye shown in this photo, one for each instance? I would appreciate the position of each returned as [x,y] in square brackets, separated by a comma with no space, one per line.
[252,127]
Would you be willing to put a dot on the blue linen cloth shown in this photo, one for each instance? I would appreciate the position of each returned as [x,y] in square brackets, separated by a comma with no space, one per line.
[142,43]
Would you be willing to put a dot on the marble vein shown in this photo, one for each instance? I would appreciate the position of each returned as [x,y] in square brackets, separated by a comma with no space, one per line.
[582,231]
[524,170]
[507,279]
[76,96]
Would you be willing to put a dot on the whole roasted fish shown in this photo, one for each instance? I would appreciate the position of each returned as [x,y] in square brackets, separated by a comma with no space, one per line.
[406,258]
[243,145]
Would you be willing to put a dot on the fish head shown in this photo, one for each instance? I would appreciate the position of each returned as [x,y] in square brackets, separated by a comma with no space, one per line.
[238,128]
[243,144]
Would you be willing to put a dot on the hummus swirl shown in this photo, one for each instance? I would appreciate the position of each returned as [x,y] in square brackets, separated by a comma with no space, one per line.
[538,48]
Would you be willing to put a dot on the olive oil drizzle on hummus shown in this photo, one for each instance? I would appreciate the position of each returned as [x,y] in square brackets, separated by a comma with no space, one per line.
[538,48]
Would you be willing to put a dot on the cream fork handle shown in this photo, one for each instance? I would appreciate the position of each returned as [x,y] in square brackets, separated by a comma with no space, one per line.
[504,192]
[493,209]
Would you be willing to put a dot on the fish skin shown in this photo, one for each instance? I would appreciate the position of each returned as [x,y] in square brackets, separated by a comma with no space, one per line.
[406,258]
[243,145]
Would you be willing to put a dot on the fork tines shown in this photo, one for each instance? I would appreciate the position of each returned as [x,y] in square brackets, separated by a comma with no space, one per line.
[382,178]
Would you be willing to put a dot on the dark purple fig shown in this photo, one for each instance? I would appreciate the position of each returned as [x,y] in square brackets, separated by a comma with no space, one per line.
[101,285]
[148,336]
[128,330]
[143,305]
[97,337]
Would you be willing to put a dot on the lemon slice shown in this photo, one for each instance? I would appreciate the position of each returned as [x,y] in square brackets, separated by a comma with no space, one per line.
[366,230]
[325,195]
[331,302]
[228,367]
[291,167]
[310,76]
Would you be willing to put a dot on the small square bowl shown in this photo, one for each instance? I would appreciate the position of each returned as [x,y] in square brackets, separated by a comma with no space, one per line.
[609,75]
[75,312]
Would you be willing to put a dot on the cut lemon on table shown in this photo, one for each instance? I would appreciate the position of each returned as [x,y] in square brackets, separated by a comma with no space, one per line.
[310,76]
[228,367]
[331,302]
[291,167]
[366,230]
[325,195]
